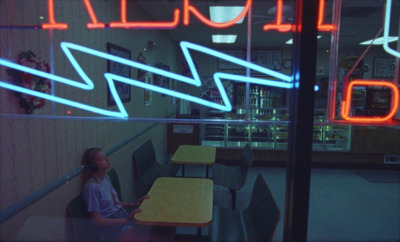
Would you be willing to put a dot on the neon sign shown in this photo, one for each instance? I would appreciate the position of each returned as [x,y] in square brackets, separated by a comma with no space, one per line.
[349,85]
[386,30]
[284,80]
[346,103]
[188,9]
[52,22]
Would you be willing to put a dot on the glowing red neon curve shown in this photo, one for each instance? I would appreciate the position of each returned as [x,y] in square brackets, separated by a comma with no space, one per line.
[52,22]
[187,8]
[144,25]
[346,103]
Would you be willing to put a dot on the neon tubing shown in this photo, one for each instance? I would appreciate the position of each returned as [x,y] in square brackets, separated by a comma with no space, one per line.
[144,25]
[20,26]
[187,45]
[346,78]
[321,15]
[95,23]
[288,27]
[278,22]
[64,101]
[187,8]
[123,11]
[88,86]
[334,50]
[285,81]
[386,31]
[52,23]
[346,104]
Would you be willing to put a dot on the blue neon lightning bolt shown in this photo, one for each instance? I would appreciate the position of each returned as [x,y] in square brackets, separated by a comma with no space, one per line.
[386,31]
[284,80]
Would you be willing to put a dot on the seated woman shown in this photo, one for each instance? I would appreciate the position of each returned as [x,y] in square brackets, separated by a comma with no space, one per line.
[101,199]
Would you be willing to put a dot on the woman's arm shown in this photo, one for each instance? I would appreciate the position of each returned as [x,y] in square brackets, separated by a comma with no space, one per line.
[98,220]
[136,204]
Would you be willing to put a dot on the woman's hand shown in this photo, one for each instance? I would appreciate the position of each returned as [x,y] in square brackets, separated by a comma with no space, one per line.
[136,204]
[139,202]
[138,210]
[132,214]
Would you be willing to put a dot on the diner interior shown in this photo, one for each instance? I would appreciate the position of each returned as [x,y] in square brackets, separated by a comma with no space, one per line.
[288,130]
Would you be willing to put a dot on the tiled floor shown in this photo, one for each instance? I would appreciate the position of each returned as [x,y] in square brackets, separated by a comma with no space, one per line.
[345,205]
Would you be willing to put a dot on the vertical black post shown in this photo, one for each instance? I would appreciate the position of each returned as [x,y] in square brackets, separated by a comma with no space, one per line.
[301,121]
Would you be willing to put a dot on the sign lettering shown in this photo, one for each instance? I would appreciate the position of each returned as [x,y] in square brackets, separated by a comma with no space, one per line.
[188,9]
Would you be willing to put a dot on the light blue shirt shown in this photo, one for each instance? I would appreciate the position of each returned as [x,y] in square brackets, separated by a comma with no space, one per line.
[101,197]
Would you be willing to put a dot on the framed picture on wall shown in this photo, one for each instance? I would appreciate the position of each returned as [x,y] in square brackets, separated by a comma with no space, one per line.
[147,93]
[383,67]
[162,81]
[271,59]
[227,65]
[124,90]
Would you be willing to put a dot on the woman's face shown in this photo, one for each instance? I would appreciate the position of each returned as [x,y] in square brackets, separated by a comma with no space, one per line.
[102,161]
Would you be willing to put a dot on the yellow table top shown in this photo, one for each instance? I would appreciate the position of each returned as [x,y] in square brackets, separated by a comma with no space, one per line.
[178,202]
[194,154]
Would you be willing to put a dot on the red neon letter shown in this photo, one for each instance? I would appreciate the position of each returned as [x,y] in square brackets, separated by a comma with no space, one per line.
[144,25]
[287,27]
[346,103]
[278,23]
[52,23]
[94,24]
[189,8]
[321,15]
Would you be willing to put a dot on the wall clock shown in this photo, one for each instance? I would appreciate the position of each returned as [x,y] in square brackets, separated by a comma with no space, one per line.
[287,64]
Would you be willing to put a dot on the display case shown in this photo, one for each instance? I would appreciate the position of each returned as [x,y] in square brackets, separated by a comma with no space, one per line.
[266,125]
[269,128]
[330,137]
[214,133]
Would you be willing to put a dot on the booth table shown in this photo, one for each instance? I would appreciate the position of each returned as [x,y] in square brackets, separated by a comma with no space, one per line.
[177,201]
[194,155]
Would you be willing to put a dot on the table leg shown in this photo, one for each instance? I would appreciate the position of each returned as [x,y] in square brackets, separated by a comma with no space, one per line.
[206,171]
[183,170]
[198,231]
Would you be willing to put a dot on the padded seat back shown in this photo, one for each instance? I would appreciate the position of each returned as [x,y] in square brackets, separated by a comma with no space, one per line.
[262,215]
[82,227]
[144,158]
[245,163]
[112,174]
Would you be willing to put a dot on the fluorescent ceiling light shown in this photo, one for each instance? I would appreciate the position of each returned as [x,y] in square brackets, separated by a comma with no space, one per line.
[227,39]
[379,41]
[220,14]
[290,42]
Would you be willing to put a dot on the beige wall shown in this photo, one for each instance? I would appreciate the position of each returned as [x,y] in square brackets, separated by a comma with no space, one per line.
[34,152]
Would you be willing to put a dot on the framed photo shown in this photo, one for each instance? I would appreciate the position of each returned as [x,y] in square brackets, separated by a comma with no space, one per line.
[173,87]
[383,67]
[124,90]
[141,73]
[147,93]
[271,59]
[227,65]
[162,81]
